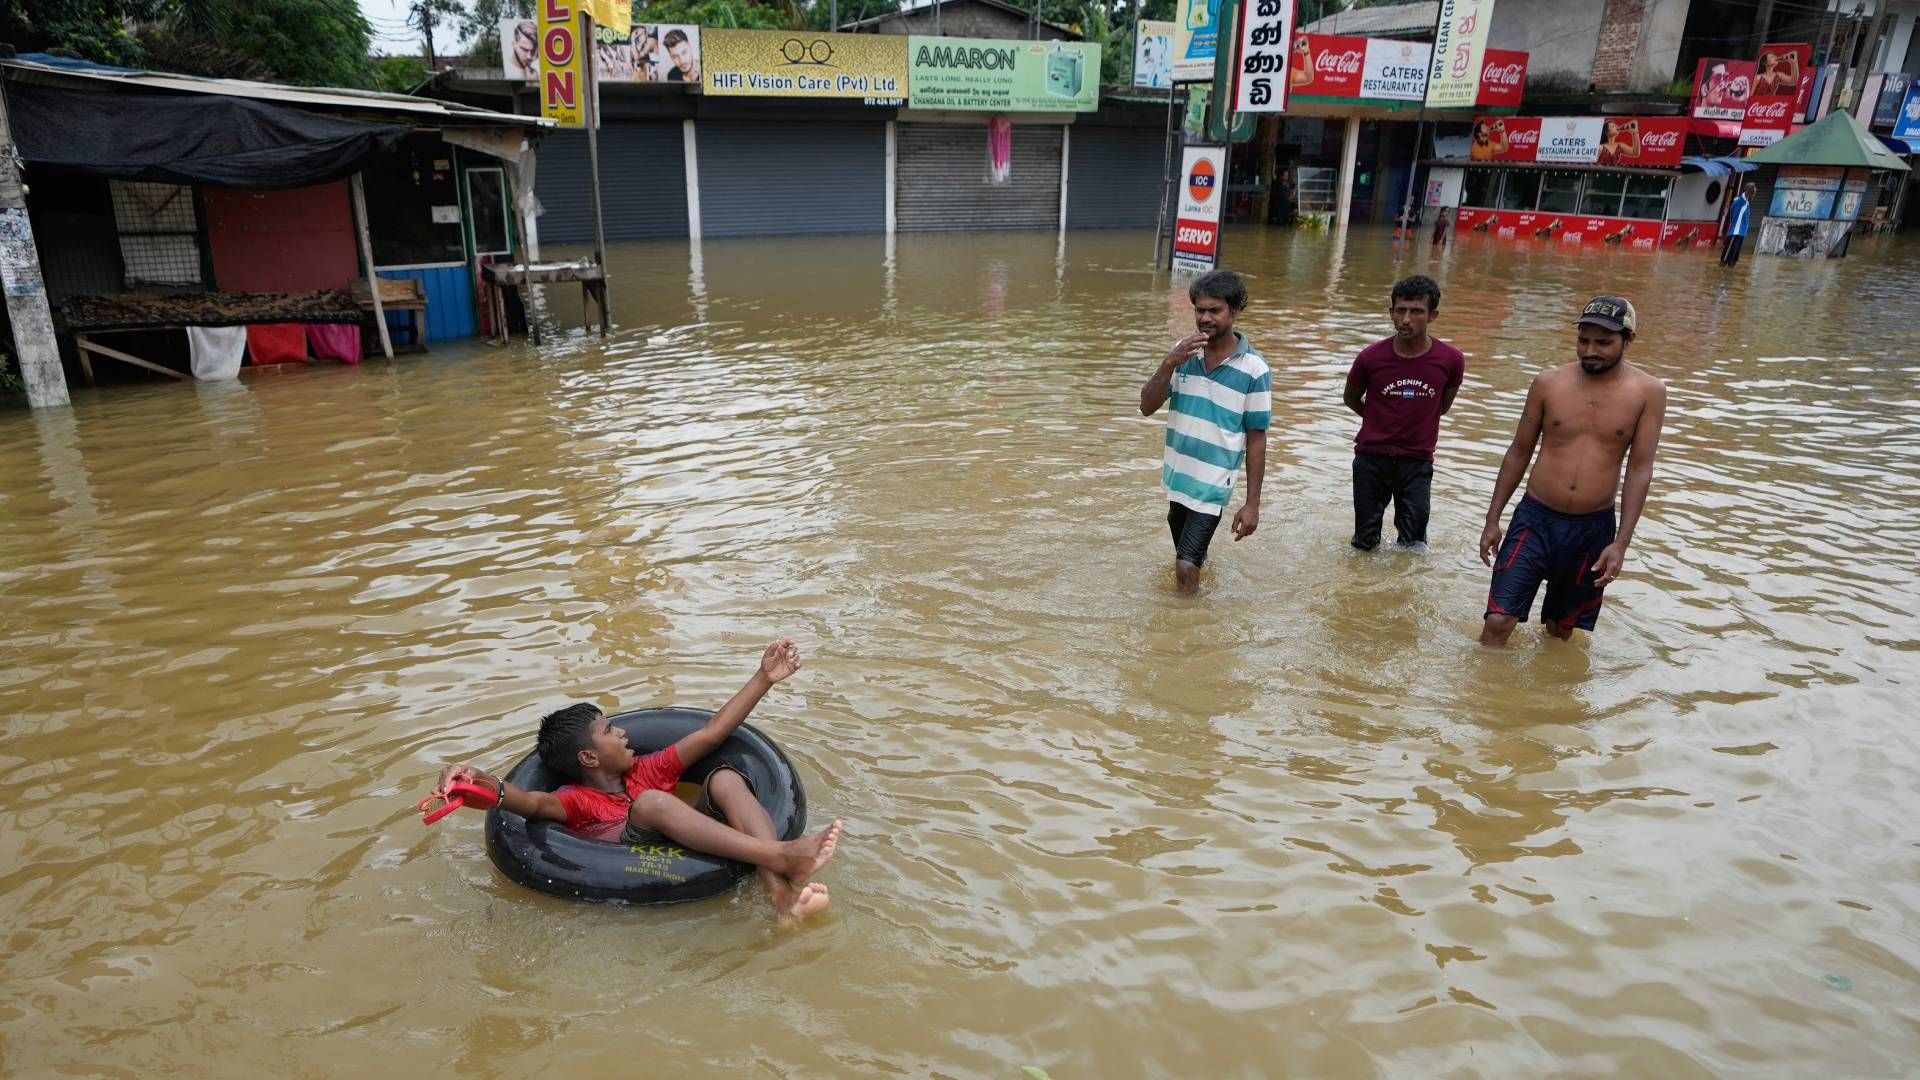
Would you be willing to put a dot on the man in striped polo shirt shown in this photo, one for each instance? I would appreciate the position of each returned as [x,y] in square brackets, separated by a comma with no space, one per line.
[1222,403]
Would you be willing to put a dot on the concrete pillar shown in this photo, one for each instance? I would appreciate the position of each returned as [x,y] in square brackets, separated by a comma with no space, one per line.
[1349,150]
[26,291]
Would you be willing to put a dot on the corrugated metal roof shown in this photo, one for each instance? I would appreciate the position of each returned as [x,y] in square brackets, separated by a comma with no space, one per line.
[426,111]
[1399,19]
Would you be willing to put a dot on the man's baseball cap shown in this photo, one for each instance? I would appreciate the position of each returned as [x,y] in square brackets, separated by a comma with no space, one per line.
[1611,312]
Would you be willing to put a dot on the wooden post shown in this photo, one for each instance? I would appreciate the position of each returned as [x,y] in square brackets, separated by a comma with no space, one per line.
[593,156]
[366,259]
[26,291]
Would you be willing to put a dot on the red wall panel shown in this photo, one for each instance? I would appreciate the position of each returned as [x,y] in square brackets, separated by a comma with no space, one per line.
[281,241]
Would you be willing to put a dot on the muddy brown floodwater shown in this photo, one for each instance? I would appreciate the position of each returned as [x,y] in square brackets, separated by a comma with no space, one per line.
[1301,825]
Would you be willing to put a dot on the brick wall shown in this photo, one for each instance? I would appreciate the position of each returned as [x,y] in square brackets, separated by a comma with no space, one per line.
[1619,41]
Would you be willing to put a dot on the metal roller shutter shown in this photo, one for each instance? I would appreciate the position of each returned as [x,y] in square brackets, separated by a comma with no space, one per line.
[643,183]
[761,178]
[942,175]
[1114,177]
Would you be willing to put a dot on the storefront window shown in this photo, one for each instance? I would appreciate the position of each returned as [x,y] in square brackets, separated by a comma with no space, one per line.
[1602,197]
[1560,193]
[413,206]
[487,195]
[1520,191]
[1481,188]
[1646,197]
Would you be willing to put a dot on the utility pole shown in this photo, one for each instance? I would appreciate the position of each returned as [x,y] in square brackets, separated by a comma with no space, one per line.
[1858,84]
[26,291]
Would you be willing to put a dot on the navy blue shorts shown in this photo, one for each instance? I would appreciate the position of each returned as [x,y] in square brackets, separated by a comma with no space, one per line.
[1192,532]
[1544,544]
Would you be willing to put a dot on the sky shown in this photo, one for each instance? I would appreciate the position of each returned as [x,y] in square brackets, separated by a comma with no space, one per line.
[392,36]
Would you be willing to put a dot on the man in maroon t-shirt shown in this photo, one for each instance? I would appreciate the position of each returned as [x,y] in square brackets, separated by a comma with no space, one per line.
[1401,386]
[618,795]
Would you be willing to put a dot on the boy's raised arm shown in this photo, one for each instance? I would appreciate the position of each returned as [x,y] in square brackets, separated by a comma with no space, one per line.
[781,659]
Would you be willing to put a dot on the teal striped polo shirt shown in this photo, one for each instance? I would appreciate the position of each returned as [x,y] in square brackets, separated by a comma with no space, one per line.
[1207,429]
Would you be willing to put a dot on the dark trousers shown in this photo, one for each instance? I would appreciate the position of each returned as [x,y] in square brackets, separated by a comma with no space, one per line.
[1407,481]
[1732,254]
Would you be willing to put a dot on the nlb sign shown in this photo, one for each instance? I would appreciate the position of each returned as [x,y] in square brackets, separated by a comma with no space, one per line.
[1196,229]
[563,77]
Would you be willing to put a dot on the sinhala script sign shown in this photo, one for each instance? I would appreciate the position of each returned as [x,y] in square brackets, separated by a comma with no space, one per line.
[1196,229]
[1266,34]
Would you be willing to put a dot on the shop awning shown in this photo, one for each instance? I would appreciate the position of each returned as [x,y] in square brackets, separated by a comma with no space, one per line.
[1836,139]
[1714,129]
[1898,146]
[1717,166]
[133,134]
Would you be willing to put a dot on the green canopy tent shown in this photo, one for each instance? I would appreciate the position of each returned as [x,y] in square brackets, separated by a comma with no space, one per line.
[1824,174]
[1836,139]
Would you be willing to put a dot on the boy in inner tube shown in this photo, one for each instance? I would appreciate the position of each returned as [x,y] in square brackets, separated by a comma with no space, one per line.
[619,795]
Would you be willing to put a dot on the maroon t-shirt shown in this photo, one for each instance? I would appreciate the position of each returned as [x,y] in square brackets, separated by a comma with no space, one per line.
[1401,412]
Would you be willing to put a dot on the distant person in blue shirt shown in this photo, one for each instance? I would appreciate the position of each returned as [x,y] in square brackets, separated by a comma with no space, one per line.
[1737,216]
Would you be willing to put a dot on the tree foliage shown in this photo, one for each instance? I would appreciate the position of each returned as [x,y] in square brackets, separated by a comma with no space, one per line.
[304,42]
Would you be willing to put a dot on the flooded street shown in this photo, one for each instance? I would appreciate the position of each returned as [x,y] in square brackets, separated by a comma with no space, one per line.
[1300,825]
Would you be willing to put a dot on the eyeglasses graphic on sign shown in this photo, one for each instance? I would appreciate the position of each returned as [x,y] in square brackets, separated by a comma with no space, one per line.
[799,52]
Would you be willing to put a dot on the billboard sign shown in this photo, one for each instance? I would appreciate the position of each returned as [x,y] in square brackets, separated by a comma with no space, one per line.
[1778,87]
[1395,70]
[1503,79]
[1196,34]
[1459,52]
[1153,55]
[563,79]
[1196,229]
[1326,65]
[1721,88]
[1649,141]
[1001,76]
[803,64]
[1266,38]
[1906,125]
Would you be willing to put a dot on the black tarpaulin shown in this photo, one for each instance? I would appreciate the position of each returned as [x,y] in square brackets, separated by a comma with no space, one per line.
[189,138]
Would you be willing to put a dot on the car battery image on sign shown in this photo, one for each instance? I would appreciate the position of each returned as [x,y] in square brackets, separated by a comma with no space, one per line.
[1064,73]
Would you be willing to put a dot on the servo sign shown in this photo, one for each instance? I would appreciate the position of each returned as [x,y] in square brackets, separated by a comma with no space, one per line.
[1196,229]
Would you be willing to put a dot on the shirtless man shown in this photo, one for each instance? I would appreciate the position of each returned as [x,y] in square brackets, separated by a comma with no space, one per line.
[1594,414]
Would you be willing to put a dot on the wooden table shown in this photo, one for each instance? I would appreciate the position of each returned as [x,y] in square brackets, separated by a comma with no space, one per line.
[503,276]
[397,294]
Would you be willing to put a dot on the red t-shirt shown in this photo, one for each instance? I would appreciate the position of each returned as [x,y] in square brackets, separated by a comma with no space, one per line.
[1401,413]
[602,815]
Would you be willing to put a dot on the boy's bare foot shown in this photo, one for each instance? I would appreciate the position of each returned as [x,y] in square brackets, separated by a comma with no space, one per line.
[800,903]
[808,854]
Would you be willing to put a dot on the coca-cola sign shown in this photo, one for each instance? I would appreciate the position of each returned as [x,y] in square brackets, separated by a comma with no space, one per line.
[1503,79]
[1777,77]
[1327,65]
[1645,141]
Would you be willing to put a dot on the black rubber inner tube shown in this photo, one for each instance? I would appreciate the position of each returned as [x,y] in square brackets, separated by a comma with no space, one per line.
[546,857]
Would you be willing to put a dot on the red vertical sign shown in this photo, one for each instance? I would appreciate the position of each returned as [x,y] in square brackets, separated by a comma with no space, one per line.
[1776,86]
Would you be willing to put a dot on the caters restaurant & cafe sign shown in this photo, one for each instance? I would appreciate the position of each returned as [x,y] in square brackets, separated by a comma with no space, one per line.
[1653,142]
[1339,66]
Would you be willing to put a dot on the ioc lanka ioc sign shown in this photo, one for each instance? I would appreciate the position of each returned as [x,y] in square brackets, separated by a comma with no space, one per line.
[1196,229]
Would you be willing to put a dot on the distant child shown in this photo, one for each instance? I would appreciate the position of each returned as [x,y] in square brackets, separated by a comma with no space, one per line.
[618,795]
[1440,227]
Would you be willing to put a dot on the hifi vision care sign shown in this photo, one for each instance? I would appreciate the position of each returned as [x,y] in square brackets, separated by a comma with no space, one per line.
[1003,76]
[1196,229]
[782,63]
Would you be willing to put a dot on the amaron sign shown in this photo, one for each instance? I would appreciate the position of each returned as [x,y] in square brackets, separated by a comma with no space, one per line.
[1196,228]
